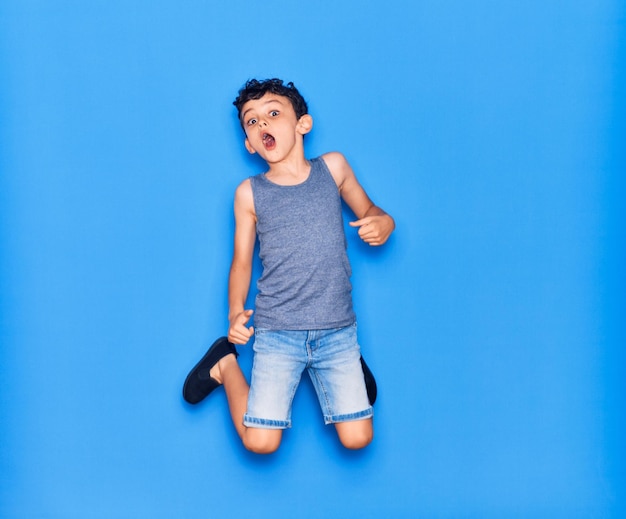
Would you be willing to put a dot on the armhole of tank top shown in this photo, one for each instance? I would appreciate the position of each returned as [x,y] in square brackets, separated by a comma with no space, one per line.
[253,181]
[326,170]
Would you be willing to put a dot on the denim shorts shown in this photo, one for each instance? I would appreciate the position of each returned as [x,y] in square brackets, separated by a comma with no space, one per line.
[332,359]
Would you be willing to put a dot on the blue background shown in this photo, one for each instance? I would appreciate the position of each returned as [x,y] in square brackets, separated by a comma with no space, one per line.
[494,318]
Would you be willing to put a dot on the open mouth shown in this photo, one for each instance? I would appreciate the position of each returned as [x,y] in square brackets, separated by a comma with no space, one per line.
[268,141]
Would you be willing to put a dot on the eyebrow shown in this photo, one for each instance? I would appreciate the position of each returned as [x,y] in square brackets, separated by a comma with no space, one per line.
[273,100]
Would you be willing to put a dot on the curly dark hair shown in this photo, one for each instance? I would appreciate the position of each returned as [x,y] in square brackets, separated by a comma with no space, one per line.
[255,89]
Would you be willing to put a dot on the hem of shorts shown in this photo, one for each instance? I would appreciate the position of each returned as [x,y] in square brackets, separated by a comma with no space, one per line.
[350,417]
[264,423]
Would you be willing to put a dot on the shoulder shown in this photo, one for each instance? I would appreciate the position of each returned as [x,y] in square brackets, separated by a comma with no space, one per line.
[334,160]
[244,189]
[244,199]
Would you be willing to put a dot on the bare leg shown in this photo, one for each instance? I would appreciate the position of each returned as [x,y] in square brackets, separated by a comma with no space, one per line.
[355,434]
[260,441]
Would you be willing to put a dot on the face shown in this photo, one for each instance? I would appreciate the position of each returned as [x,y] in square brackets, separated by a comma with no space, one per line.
[272,128]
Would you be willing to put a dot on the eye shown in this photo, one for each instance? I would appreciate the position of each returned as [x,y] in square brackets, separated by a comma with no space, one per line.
[274,113]
[251,122]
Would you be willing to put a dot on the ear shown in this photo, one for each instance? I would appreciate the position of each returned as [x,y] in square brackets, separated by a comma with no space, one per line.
[249,147]
[305,124]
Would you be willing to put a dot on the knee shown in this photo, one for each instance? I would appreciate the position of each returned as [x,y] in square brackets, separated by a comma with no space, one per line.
[261,447]
[265,442]
[357,439]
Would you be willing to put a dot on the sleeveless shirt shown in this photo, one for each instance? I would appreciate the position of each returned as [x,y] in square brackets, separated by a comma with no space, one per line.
[305,282]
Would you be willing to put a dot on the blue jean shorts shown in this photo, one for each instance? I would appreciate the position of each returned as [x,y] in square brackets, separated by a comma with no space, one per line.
[332,360]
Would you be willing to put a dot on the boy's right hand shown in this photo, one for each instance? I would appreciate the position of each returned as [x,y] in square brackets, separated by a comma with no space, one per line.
[238,333]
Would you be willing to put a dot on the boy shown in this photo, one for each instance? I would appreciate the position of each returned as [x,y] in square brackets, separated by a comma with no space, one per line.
[303,311]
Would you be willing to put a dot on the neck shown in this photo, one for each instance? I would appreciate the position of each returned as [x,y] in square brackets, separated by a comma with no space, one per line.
[291,170]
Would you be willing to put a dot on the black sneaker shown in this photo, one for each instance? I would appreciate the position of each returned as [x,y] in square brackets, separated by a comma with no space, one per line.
[199,383]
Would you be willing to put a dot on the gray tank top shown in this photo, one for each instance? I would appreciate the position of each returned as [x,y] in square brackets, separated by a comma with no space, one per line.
[305,283]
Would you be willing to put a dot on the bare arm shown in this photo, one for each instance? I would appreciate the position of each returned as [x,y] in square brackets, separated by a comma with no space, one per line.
[375,225]
[241,266]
